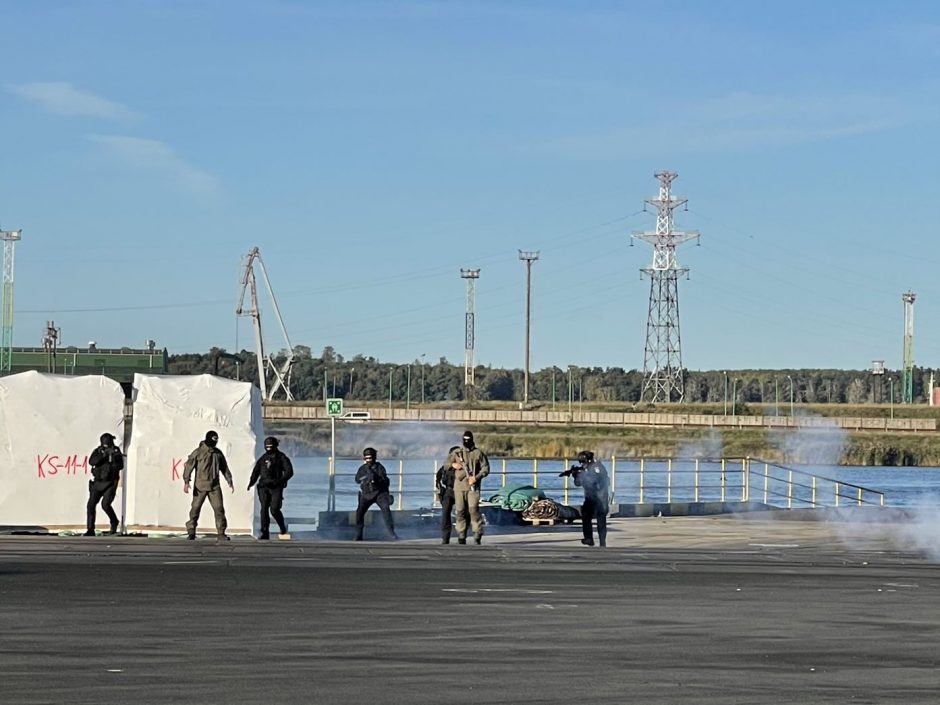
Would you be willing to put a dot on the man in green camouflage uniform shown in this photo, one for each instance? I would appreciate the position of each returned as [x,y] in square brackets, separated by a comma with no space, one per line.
[209,465]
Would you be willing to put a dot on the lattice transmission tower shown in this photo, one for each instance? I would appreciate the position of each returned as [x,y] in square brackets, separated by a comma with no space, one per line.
[907,374]
[662,358]
[470,276]
[10,238]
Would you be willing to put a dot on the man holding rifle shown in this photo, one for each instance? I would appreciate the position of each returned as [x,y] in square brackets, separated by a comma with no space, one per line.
[467,482]
[592,476]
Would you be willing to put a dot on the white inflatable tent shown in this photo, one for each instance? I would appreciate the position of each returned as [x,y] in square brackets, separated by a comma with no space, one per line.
[49,424]
[171,416]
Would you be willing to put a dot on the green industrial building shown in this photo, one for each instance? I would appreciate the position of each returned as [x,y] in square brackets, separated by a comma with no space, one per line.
[119,364]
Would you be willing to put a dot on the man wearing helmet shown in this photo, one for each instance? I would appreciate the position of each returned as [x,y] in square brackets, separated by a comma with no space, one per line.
[106,464]
[373,489]
[272,471]
[592,476]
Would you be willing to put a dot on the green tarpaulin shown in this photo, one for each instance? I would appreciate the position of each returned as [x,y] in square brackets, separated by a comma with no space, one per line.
[517,498]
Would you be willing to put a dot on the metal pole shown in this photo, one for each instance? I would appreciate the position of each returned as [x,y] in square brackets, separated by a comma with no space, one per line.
[408,396]
[422,377]
[734,396]
[390,394]
[791,395]
[331,497]
[725,412]
[776,398]
[528,258]
[401,482]
[642,468]
[553,387]
[569,391]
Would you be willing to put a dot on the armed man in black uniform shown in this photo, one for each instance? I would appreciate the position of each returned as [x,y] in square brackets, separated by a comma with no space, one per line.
[592,476]
[373,489]
[272,472]
[106,462]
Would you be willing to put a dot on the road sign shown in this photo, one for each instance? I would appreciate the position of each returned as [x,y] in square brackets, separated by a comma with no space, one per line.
[334,407]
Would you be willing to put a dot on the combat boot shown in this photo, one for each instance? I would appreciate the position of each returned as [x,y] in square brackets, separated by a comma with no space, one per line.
[461,539]
[478,539]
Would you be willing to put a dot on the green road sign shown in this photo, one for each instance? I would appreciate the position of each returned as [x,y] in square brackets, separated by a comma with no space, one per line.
[334,407]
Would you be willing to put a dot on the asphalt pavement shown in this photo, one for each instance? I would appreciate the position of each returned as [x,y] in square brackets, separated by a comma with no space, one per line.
[694,609]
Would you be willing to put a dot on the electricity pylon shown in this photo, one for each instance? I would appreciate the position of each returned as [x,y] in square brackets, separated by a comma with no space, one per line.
[662,359]
[470,275]
[10,238]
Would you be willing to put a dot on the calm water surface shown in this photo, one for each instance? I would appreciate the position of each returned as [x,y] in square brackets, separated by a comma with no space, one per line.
[412,483]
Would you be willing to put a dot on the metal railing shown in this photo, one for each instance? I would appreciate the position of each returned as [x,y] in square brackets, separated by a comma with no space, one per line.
[632,480]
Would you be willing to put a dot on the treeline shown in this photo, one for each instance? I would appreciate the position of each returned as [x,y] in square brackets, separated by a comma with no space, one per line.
[365,379]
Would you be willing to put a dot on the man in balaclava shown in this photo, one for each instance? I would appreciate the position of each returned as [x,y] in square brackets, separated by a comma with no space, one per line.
[373,489]
[106,462]
[467,482]
[591,475]
[272,472]
[209,465]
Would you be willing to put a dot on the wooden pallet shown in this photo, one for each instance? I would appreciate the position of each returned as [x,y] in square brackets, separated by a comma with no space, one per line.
[547,522]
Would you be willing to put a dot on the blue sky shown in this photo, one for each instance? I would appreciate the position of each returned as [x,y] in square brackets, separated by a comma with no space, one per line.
[372,149]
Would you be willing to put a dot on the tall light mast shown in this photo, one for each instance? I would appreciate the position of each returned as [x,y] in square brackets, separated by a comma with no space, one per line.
[470,276]
[907,375]
[528,258]
[10,238]
[280,376]
[662,358]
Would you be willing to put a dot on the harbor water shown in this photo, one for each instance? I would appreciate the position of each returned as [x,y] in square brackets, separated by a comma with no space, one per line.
[412,483]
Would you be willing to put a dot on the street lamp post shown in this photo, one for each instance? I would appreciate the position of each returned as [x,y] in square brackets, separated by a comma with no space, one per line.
[891,393]
[791,395]
[422,378]
[570,389]
[408,393]
[352,375]
[581,393]
[776,397]
[391,369]
[553,387]
[725,412]
[734,396]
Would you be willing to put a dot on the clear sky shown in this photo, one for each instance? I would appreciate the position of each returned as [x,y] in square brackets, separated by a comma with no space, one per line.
[372,149]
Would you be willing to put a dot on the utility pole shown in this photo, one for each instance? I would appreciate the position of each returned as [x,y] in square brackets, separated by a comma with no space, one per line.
[662,359]
[50,343]
[528,258]
[10,238]
[907,375]
[470,275]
